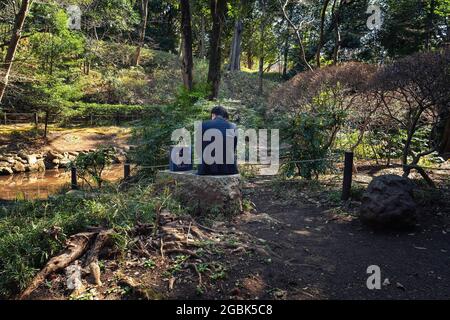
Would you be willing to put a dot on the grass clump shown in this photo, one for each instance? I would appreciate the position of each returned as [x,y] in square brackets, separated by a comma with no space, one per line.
[31,232]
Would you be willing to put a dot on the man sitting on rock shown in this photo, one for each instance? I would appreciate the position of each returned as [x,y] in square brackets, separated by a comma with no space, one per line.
[218,155]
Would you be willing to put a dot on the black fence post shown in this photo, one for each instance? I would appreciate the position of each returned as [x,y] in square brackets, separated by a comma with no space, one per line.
[348,171]
[73,174]
[126,170]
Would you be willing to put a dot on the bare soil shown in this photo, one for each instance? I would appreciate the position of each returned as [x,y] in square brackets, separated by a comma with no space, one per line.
[295,244]
[23,137]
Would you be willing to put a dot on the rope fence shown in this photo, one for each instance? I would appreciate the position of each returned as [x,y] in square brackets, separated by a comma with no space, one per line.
[90,119]
[348,161]
[346,171]
[347,177]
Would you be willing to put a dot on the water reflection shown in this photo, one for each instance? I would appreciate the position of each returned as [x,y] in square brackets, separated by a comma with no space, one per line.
[39,185]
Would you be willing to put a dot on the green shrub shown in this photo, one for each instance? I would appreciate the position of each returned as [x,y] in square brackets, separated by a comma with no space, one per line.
[90,166]
[309,138]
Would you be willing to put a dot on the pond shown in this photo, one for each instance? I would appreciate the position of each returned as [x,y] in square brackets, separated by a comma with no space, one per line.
[39,185]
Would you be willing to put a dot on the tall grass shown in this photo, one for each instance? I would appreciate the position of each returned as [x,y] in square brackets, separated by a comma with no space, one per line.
[26,240]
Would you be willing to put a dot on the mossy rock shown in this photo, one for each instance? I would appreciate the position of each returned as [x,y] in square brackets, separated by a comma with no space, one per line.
[204,195]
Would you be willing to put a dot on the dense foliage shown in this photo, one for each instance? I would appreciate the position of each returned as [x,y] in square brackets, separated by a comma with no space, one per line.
[333,75]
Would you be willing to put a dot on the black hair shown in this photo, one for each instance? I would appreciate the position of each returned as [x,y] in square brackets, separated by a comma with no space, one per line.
[220,111]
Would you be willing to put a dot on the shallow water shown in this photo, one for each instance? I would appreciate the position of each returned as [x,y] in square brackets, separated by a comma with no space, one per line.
[39,185]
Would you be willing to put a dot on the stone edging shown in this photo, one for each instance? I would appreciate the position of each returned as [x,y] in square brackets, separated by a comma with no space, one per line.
[22,161]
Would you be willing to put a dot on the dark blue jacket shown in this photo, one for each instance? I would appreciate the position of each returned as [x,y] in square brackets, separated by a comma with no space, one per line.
[219,169]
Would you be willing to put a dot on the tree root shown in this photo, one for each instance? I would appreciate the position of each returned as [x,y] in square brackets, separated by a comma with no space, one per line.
[100,241]
[136,287]
[199,275]
[91,263]
[183,251]
[76,247]
[171,283]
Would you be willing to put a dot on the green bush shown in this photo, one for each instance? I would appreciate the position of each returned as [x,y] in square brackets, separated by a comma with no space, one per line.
[308,136]
[90,166]
[85,109]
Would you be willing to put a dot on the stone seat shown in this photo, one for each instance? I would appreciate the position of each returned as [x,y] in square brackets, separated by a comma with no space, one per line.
[204,195]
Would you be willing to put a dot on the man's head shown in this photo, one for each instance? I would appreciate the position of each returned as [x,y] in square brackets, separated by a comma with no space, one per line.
[219,111]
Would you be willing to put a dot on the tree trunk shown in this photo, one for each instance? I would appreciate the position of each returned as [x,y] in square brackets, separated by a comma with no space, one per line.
[86,66]
[337,33]
[46,124]
[261,48]
[218,8]
[13,44]
[285,56]
[298,34]
[144,9]
[429,25]
[250,59]
[235,52]
[445,145]
[187,44]
[260,74]
[322,25]
[202,37]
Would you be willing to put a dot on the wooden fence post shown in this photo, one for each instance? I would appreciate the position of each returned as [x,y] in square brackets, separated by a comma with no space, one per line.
[4,118]
[348,171]
[36,119]
[118,118]
[74,183]
[126,170]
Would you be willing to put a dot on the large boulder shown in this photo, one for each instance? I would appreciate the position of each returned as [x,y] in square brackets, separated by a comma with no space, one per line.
[39,165]
[389,202]
[19,167]
[204,195]
[52,155]
[31,159]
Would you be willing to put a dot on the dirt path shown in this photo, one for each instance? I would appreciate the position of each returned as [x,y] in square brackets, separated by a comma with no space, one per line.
[323,258]
[289,247]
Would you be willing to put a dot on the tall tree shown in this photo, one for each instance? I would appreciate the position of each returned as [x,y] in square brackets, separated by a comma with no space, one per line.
[298,29]
[218,10]
[202,50]
[285,56]
[249,41]
[235,51]
[13,44]
[262,34]
[337,6]
[144,14]
[321,33]
[236,44]
[186,27]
